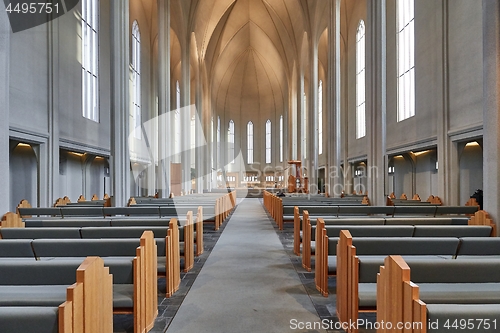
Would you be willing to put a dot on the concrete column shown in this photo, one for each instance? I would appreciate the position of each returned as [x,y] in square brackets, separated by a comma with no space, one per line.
[376,100]
[491,107]
[312,126]
[5,32]
[165,141]
[49,160]
[447,152]
[333,98]
[185,85]
[120,50]
[201,152]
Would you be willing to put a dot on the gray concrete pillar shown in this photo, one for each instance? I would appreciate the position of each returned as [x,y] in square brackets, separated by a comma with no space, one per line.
[312,110]
[333,98]
[5,32]
[165,139]
[185,84]
[120,50]
[376,100]
[491,107]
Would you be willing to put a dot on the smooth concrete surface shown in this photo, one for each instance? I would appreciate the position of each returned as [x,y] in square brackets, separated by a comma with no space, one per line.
[248,284]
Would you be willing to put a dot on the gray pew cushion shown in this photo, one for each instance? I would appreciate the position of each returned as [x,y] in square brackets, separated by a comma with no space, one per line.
[418,220]
[371,230]
[36,295]
[33,233]
[460,293]
[367,295]
[57,223]
[369,265]
[129,222]
[414,209]
[440,314]
[452,231]
[479,246]
[332,265]
[122,232]
[81,211]
[406,246]
[16,248]
[455,271]
[29,319]
[85,247]
[456,210]
[123,295]
[62,272]
[354,221]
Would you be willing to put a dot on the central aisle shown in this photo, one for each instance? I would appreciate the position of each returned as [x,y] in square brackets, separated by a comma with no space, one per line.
[248,283]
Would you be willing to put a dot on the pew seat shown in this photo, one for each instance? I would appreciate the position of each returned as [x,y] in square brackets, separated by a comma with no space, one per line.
[29,319]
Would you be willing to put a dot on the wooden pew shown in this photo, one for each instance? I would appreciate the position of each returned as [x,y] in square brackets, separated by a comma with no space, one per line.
[87,309]
[469,293]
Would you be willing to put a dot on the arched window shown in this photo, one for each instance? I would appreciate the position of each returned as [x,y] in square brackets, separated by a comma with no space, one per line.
[136,79]
[268,141]
[360,81]
[281,138]
[250,142]
[405,40]
[90,62]
[230,142]
[320,117]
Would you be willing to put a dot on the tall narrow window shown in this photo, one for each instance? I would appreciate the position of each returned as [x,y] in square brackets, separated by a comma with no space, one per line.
[360,81]
[405,40]
[304,128]
[136,78]
[177,122]
[230,142]
[268,141]
[90,62]
[250,142]
[218,142]
[281,138]
[320,117]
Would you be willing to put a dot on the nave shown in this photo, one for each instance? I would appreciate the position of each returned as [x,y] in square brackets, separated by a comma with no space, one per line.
[248,283]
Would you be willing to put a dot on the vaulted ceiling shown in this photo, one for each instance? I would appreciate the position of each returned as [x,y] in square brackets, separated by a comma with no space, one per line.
[250,48]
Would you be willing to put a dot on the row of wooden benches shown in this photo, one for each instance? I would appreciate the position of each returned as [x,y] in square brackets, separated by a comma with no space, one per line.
[29,288]
[356,260]
[216,209]
[52,248]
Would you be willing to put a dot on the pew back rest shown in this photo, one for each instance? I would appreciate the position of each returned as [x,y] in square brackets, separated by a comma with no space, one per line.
[121,269]
[371,230]
[50,211]
[132,210]
[479,246]
[69,211]
[354,221]
[122,232]
[59,272]
[452,231]
[455,271]
[406,246]
[45,248]
[456,210]
[429,210]
[419,221]
[62,223]
[130,222]
[16,248]
[40,232]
